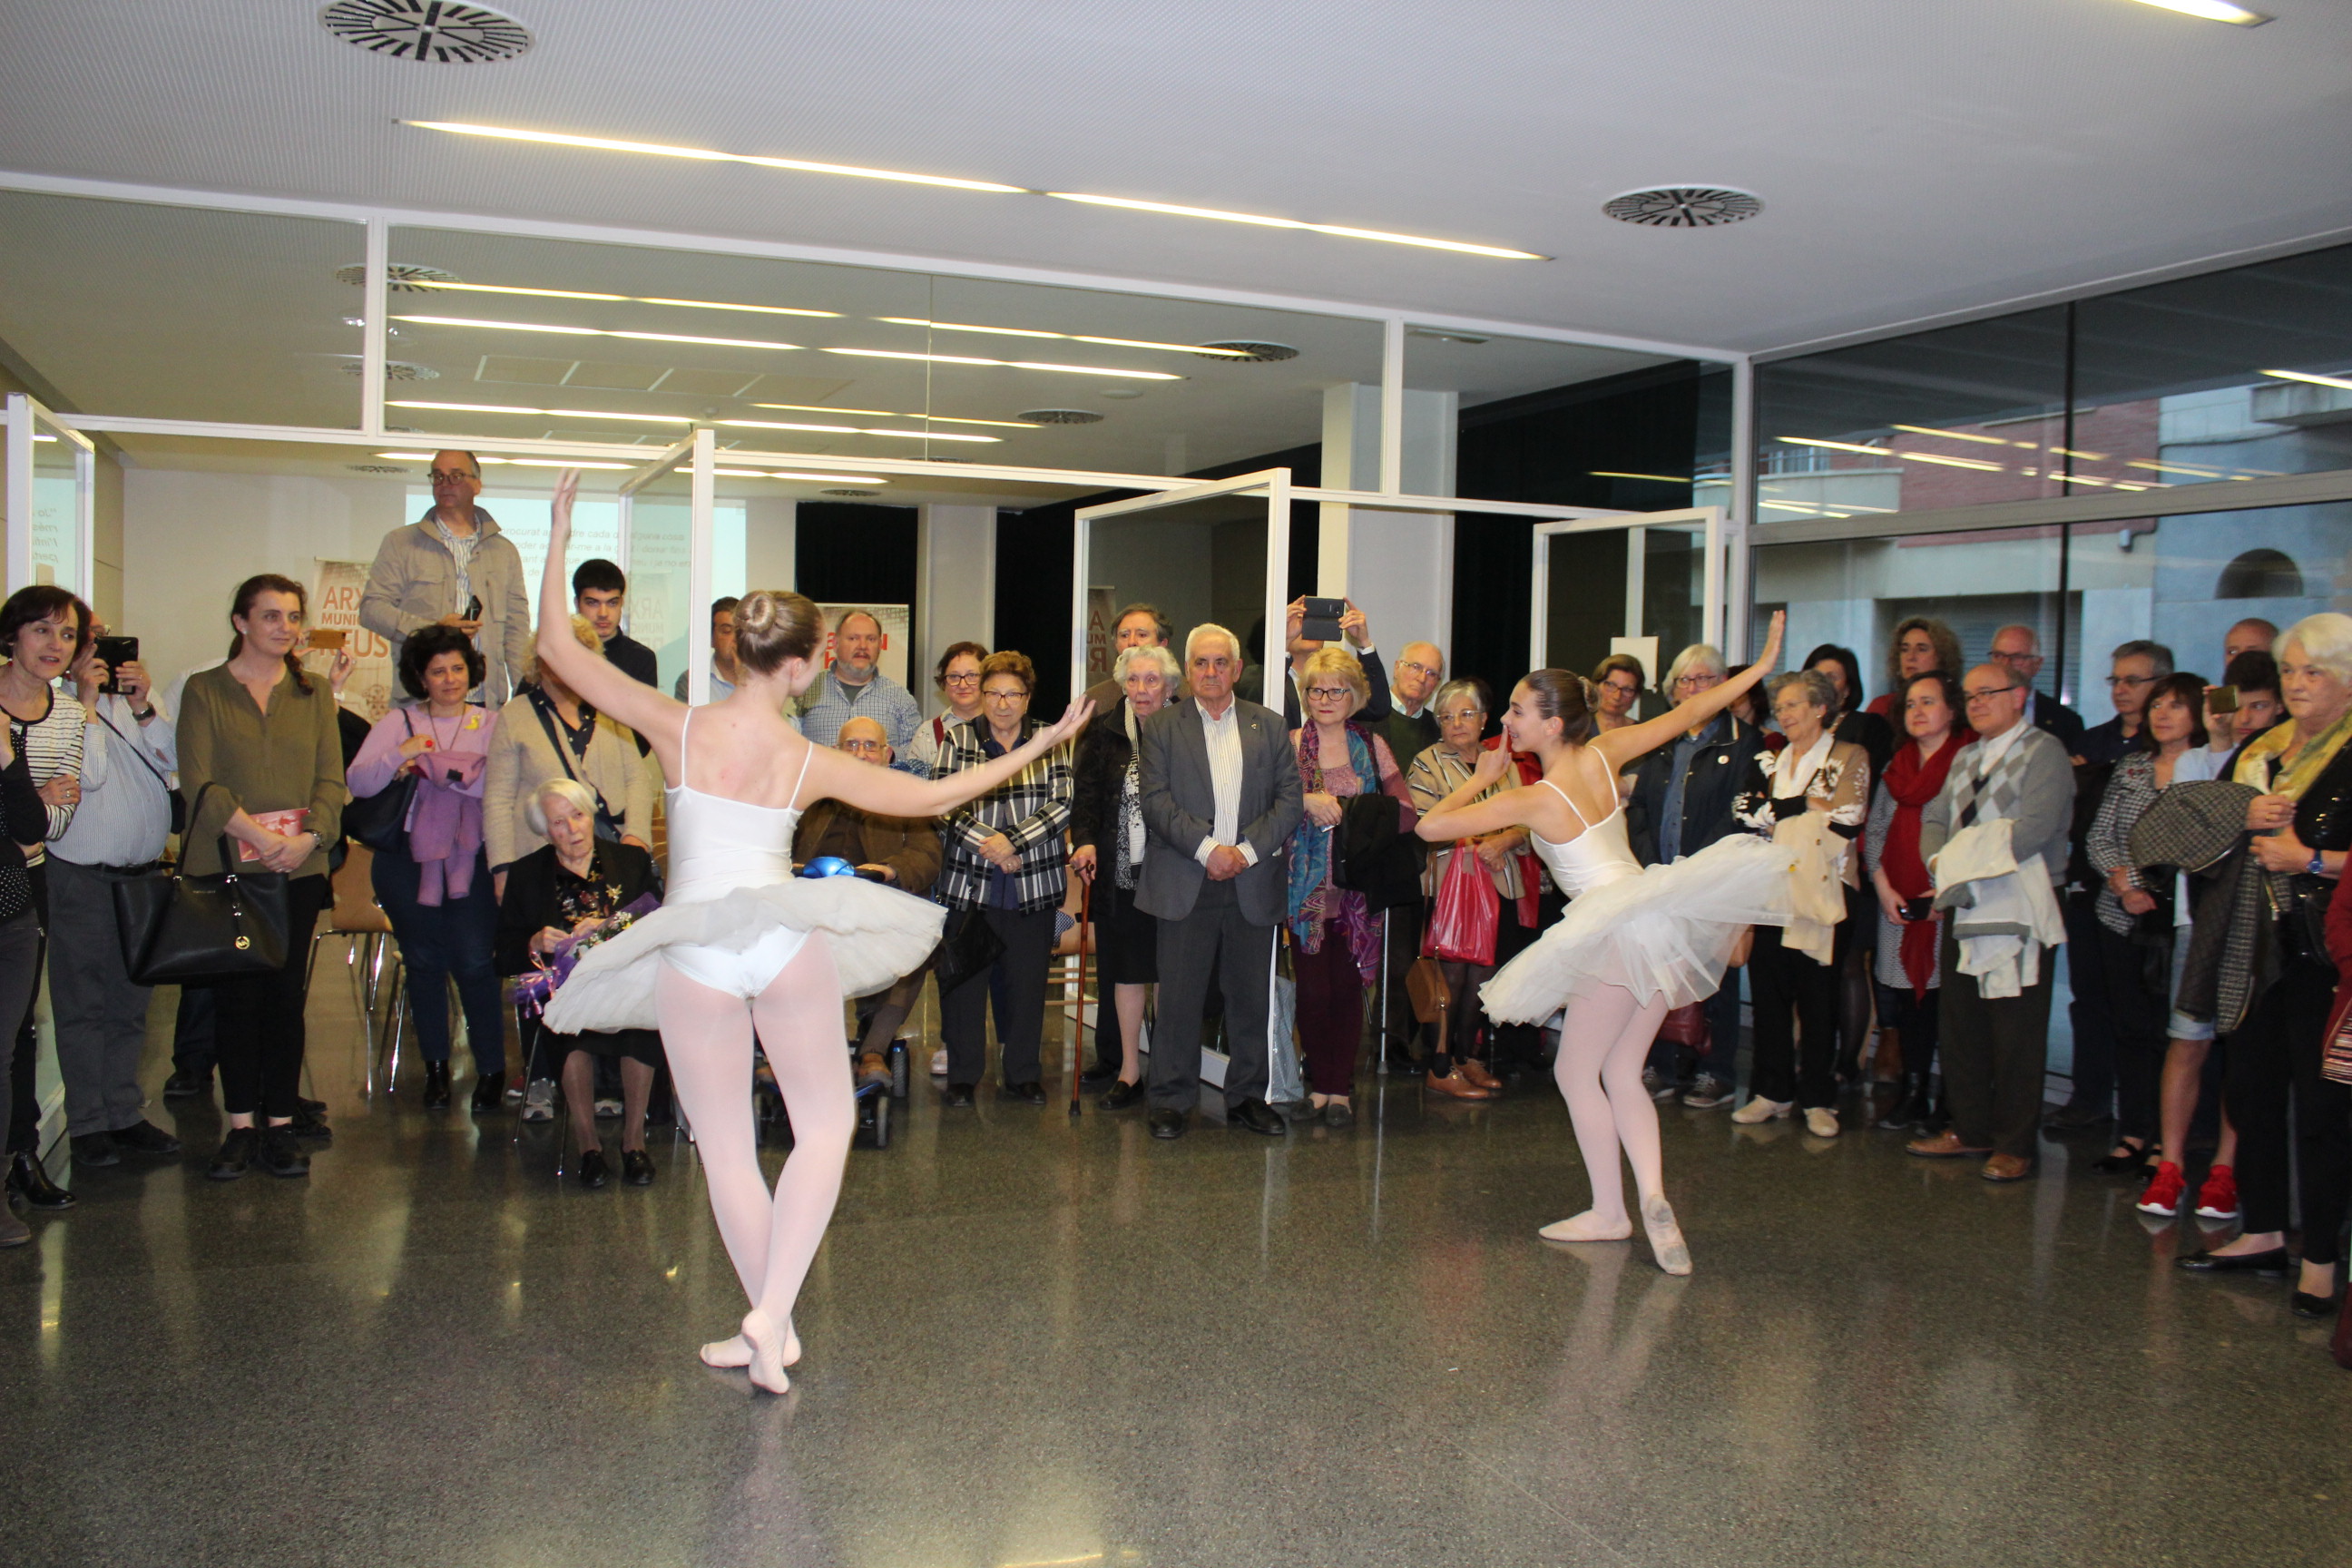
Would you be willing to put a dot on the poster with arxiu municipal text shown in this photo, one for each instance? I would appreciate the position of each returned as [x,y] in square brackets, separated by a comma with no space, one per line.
[335,592]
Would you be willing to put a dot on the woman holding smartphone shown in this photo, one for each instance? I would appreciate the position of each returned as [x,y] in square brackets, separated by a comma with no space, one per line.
[1908,973]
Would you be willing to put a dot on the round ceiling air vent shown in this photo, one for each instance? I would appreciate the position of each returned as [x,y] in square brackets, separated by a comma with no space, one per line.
[1683,206]
[849,493]
[1060,417]
[393,369]
[432,32]
[375,468]
[1242,352]
[400,278]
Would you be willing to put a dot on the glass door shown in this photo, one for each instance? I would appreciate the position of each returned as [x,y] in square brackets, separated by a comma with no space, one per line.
[51,473]
[667,546]
[1648,584]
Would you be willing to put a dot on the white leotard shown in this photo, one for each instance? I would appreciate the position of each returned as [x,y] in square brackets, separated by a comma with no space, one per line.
[718,845]
[1595,857]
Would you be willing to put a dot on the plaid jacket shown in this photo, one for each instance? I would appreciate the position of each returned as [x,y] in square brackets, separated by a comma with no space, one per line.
[1032,810]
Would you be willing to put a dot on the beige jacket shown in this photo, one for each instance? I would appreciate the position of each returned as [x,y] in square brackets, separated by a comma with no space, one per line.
[521,759]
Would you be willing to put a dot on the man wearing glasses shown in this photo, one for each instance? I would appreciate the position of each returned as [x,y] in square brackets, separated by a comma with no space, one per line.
[452,567]
[2018,650]
[1996,1047]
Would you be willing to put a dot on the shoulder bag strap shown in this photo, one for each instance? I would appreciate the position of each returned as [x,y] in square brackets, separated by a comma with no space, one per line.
[563,754]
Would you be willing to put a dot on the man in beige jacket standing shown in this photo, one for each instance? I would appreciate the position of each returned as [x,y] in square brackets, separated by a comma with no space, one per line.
[452,567]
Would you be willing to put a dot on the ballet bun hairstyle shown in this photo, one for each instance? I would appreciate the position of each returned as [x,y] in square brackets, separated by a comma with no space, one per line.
[770,627]
[1564,695]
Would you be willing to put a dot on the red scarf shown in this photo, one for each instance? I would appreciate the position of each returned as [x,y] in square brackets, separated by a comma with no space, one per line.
[1913,783]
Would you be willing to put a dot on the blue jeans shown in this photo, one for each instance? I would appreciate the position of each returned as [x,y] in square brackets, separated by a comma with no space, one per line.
[450,941]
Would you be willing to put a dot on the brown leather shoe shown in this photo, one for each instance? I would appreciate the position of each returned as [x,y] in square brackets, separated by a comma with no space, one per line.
[1475,1071]
[2007,1168]
[1454,1086]
[1944,1145]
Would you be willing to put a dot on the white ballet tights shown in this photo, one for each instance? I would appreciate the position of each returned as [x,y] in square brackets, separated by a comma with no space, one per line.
[770,1238]
[1604,1039]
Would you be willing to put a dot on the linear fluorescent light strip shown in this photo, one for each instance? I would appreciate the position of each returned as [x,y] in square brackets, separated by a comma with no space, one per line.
[886,414]
[2213,11]
[2338,381]
[678,419]
[1008,363]
[513,462]
[1066,337]
[634,298]
[859,430]
[711,155]
[1660,478]
[1956,435]
[768,474]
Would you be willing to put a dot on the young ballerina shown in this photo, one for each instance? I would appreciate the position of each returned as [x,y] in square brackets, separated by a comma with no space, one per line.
[740,944]
[1633,942]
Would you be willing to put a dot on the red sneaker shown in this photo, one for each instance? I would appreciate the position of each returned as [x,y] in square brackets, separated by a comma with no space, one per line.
[2163,1191]
[2217,1198]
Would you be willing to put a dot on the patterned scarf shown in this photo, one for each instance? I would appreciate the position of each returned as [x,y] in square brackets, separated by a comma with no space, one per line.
[1131,806]
[1911,784]
[2261,755]
[1313,899]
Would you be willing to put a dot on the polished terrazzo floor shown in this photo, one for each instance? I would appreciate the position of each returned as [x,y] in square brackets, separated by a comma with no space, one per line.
[1033,1342]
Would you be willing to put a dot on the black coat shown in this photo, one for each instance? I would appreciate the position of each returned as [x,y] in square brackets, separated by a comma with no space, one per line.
[1098,774]
[1718,773]
[530,903]
[1373,855]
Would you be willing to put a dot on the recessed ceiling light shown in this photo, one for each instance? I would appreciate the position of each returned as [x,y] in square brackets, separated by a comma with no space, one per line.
[591,331]
[426,286]
[1066,337]
[1008,364]
[608,144]
[401,276]
[855,430]
[2213,11]
[546,413]
[1683,206]
[375,468]
[1446,337]
[1063,416]
[848,492]
[706,154]
[886,414]
[393,369]
[435,31]
[2335,381]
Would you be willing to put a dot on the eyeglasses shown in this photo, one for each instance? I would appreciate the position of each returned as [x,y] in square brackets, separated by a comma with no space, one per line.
[1987,694]
[1417,667]
[1622,688]
[1330,693]
[1016,695]
[1462,716]
[864,748]
[2011,657]
[2114,681]
[451,476]
[1696,681]
[960,681]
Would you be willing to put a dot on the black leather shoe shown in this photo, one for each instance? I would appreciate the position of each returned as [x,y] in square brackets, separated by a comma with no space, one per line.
[1099,1075]
[1122,1096]
[93,1149]
[437,1086]
[1336,1114]
[490,1092]
[142,1138]
[957,1097]
[234,1156]
[2076,1118]
[310,1121]
[2131,1162]
[637,1167]
[1029,1093]
[308,1106]
[1910,1109]
[29,1181]
[184,1085]
[1255,1116]
[1168,1125]
[592,1170]
[280,1154]
[2306,1305]
[2271,1265]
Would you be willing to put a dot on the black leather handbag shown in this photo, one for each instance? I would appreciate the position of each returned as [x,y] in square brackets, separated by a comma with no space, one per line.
[968,945]
[180,930]
[380,821]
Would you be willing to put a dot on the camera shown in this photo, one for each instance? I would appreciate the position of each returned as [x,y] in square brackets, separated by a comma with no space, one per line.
[113,653]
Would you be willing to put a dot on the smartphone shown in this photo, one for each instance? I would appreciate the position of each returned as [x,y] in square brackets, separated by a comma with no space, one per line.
[1322,620]
[2222,699]
[1918,909]
[113,652]
[474,608]
[329,638]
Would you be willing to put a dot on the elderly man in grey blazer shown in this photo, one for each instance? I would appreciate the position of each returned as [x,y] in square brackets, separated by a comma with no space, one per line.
[1219,790]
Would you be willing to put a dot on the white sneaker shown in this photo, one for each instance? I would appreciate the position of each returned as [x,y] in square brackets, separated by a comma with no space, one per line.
[1821,1122]
[608,1110]
[1762,1109]
[940,1062]
[538,1101]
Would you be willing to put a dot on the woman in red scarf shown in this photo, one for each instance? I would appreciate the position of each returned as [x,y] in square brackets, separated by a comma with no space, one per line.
[1907,970]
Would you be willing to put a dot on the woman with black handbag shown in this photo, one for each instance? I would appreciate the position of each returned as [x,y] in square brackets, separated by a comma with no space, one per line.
[546,732]
[427,765]
[259,735]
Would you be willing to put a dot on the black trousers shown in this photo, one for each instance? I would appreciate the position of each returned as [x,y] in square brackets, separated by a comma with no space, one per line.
[2274,1057]
[1996,1051]
[2137,1016]
[2089,1014]
[259,1036]
[24,1104]
[1015,986]
[1399,1027]
[1215,941]
[1795,997]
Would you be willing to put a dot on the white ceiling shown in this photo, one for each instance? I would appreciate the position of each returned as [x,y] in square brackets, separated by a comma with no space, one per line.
[1914,159]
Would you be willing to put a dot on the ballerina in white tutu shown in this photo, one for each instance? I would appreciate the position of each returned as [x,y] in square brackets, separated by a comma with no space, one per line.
[741,943]
[1634,943]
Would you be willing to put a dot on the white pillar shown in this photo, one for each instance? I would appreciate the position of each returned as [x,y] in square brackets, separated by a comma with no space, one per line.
[955,586]
[1397,567]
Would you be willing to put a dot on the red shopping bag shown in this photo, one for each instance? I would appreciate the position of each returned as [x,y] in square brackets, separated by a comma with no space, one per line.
[1461,926]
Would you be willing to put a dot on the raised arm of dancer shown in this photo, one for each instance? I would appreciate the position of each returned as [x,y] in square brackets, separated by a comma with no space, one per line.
[658,718]
[1456,817]
[1619,748]
[886,792]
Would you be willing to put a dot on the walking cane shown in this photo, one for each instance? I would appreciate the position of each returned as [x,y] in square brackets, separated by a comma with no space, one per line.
[1078,1030]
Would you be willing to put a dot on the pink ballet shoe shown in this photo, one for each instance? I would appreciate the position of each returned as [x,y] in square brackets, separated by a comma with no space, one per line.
[1665,1236]
[772,1350]
[738,1351]
[1588,1227]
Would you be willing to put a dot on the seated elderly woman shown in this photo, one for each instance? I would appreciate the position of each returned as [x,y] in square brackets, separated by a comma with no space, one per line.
[1106,831]
[570,885]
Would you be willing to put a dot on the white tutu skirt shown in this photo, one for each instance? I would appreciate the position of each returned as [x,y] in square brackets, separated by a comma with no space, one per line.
[1670,930]
[878,934]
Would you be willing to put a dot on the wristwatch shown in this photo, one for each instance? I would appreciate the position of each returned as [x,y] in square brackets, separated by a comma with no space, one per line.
[2317,867]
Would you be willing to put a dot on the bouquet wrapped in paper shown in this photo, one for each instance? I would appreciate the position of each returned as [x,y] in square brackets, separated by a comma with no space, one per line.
[533,990]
